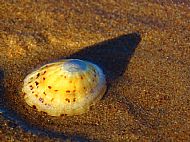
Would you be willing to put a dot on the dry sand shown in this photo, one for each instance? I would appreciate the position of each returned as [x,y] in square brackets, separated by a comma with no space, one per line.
[144,49]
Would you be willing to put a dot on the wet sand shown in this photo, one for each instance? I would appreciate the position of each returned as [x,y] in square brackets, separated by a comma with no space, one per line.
[143,48]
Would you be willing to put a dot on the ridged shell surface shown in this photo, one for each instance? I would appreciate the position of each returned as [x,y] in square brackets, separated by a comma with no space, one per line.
[67,87]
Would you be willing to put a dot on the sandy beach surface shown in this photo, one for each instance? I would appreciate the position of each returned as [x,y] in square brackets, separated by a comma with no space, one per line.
[143,48]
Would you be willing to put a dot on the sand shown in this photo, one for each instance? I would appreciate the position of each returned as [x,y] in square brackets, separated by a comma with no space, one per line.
[143,48]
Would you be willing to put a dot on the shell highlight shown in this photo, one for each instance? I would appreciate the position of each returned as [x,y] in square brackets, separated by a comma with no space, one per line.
[67,87]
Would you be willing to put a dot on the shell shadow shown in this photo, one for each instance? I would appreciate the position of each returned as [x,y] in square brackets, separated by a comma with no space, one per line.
[112,55]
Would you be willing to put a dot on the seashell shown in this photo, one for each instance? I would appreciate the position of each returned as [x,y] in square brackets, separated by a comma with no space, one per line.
[67,87]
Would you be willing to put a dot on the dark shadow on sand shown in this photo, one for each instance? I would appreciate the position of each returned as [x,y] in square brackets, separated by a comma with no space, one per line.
[112,55]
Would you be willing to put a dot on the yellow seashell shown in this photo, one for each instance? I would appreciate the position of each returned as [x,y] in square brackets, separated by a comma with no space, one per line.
[67,87]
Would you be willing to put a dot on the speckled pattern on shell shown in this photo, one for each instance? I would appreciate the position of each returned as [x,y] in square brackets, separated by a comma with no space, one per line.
[67,87]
